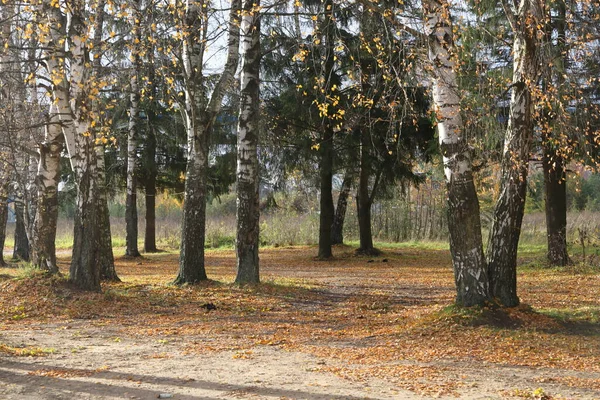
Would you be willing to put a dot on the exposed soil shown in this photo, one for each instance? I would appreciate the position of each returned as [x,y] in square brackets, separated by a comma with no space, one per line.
[351,328]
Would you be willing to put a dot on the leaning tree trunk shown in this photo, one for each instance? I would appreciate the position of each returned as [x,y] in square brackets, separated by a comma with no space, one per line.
[555,190]
[466,244]
[337,228]
[510,206]
[43,250]
[200,116]
[248,211]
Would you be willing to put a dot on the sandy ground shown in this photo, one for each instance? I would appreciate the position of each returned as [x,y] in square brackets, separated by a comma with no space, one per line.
[96,364]
[93,365]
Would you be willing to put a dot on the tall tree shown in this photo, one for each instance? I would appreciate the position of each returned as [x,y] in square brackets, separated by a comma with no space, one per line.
[200,113]
[554,162]
[466,244]
[248,212]
[131,215]
[526,17]
[106,258]
[327,32]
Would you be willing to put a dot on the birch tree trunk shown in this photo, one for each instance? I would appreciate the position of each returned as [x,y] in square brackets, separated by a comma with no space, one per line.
[466,244]
[131,214]
[337,229]
[248,212]
[43,250]
[74,110]
[12,96]
[131,217]
[510,206]
[200,115]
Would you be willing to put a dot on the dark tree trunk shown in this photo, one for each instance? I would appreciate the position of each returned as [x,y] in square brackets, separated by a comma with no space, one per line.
[248,211]
[363,199]
[21,249]
[326,200]
[337,229]
[553,163]
[150,232]
[106,259]
[85,270]
[556,206]
[150,186]
[3,222]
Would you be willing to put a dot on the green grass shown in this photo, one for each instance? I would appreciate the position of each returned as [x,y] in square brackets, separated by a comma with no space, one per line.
[424,245]
[581,314]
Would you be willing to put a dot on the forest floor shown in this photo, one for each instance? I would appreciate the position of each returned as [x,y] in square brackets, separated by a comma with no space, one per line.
[350,328]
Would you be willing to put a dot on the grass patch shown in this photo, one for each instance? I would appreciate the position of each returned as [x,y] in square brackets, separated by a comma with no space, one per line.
[582,314]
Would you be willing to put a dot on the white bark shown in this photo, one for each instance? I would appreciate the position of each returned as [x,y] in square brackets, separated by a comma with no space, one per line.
[200,114]
[247,235]
[466,245]
[526,18]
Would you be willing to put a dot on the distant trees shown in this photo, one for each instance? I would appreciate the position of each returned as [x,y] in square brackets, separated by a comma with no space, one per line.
[342,84]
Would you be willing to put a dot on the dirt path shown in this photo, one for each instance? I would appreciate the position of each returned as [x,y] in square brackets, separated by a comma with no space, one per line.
[97,365]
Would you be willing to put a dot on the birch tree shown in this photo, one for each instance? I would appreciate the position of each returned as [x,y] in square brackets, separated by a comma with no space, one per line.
[200,113]
[73,93]
[247,235]
[526,18]
[131,215]
[466,244]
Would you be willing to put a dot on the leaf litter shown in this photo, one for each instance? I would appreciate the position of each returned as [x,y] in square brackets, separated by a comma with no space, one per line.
[385,321]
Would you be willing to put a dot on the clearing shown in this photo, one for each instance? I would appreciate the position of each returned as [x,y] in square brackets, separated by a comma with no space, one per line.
[351,328]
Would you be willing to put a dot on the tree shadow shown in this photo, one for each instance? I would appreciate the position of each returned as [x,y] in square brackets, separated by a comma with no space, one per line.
[9,368]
